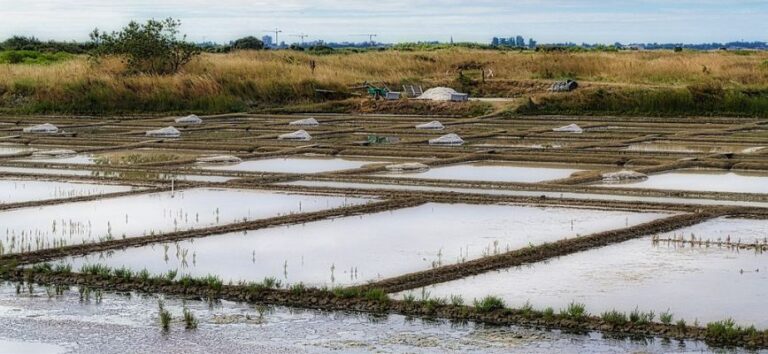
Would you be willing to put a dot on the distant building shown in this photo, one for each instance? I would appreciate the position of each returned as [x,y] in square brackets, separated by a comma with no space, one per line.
[267,41]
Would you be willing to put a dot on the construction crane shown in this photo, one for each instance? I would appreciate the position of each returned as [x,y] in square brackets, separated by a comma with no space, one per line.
[276,31]
[302,36]
[370,37]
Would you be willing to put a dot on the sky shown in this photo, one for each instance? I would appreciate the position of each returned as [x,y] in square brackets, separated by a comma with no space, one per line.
[548,21]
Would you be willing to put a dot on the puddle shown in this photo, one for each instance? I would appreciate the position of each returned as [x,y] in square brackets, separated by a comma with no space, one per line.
[357,249]
[548,194]
[708,284]
[293,165]
[17,191]
[139,215]
[491,172]
[20,347]
[129,323]
[704,181]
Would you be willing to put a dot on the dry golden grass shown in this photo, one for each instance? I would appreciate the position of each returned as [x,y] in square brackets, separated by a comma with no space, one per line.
[268,77]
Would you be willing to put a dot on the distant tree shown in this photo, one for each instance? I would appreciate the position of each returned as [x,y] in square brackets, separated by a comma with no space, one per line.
[296,47]
[21,43]
[248,43]
[152,48]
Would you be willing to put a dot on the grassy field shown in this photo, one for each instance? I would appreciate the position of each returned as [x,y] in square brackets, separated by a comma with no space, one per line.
[624,82]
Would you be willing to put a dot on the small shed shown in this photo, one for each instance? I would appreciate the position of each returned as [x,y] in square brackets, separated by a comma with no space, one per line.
[300,135]
[190,119]
[433,125]
[449,140]
[46,128]
[219,159]
[571,128]
[167,132]
[309,122]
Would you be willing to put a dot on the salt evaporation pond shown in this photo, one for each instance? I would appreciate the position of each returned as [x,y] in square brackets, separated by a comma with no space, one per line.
[17,191]
[138,215]
[523,193]
[80,159]
[128,322]
[708,284]
[491,172]
[704,181]
[115,174]
[293,165]
[358,249]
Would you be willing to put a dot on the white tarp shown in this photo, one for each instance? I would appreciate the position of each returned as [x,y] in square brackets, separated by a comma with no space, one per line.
[297,135]
[167,132]
[190,119]
[42,128]
[449,139]
[571,128]
[309,122]
[219,159]
[433,125]
[408,167]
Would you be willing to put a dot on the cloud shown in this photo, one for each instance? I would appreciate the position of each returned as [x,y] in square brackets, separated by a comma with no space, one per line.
[394,20]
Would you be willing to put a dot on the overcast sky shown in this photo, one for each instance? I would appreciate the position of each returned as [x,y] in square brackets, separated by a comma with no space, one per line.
[604,21]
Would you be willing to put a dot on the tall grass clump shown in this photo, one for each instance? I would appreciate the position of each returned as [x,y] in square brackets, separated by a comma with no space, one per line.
[489,303]
[164,315]
[574,311]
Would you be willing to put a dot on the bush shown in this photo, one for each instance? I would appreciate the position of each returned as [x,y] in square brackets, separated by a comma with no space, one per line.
[248,43]
[32,57]
[150,48]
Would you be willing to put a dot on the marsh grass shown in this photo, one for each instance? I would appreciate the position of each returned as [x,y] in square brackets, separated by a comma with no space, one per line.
[190,321]
[489,303]
[574,311]
[236,81]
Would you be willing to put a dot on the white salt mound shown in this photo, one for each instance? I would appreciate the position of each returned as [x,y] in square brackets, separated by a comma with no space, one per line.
[219,159]
[190,119]
[433,125]
[301,135]
[167,132]
[408,167]
[571,128]
[309,122]
[42,128]
[449,139]
[438,94]
[624,176]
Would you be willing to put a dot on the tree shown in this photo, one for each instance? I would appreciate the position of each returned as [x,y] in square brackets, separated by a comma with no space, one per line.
[249,42]
[151,48]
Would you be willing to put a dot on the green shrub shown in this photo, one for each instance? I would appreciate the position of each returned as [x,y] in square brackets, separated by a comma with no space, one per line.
[666,317]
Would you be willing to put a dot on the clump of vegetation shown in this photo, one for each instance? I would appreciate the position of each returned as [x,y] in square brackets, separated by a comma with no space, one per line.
[638,317]
[457,300]
[164,315]
[727,331]
[150,48]
[489,303]
[614,318]
[574,311]
[190,321]
[666,317]
[32,57]
[376,295]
